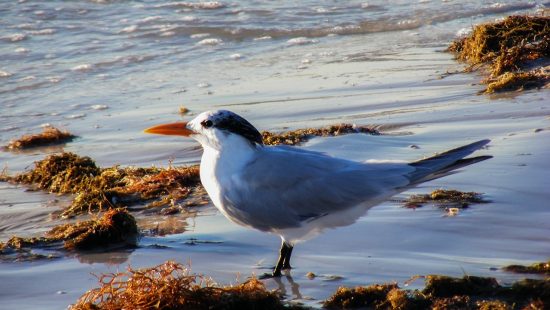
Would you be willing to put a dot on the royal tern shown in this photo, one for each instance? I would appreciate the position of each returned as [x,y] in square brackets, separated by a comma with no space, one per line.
[292,192]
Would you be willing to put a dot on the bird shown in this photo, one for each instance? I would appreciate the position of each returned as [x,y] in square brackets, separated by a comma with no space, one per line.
[293,192]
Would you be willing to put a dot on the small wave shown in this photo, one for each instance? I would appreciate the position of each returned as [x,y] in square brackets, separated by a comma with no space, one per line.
[263,38]
[16,37]
[199,35]
[25,26]
[82,68]
[99,107]
[167,33]
[321,10]
[129,29]
[189,18]
[149,19]
[54,79]
[4,74]
[236,56]
[301,41]
[210,42]
[22,50]
[203,85]
[130,59]
[9,128]
[210,5]
[27,78]
[76,116]
[42,32]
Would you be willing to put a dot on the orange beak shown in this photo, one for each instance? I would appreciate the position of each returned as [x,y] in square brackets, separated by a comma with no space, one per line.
[172,129]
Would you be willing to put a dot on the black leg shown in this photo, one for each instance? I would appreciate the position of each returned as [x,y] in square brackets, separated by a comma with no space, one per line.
[283,254]
[286,263]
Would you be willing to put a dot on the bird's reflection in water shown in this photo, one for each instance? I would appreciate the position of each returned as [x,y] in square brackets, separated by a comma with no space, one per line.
[113,258]
[294,287]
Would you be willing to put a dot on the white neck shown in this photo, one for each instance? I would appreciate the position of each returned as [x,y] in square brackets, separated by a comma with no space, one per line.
[219,164]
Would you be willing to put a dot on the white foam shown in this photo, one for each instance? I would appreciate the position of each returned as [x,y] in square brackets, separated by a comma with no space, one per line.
[306,61]
[189,18]
[210,42]
[464,32]
[22,50]
[328,53]
[167,33]
[209,5]
[42,32]
[4,74]
[27,78]
[199,35]
[129,29]
[149,19]
[203,85]
[99,107]
[54,79]
[236,56]
[301,41]
[82,68]
[76,116]
[16,37]
[263,38]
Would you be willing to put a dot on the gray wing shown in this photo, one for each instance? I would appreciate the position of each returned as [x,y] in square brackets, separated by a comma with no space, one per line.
[281,188]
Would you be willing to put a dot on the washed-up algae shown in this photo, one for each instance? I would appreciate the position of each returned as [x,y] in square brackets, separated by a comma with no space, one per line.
[537,268]
[171,286]
[442,292]
[444,198]
[115,227]
[303,135]
[49,136]
[516,51]
[104,188]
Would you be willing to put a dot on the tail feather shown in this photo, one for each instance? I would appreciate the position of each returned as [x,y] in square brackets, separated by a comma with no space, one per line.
[443,164]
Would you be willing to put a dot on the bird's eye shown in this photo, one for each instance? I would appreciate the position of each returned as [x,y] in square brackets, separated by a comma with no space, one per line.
[206,123]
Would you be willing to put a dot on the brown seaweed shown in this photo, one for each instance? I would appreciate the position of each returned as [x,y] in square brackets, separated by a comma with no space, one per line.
[510,48]
[445,198]
[104,188]
[537,268]
[302,135]
[49,135]
[443,292]
[172,286]
[115,227]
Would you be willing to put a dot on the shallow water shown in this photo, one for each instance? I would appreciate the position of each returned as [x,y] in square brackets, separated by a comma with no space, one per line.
[107,70]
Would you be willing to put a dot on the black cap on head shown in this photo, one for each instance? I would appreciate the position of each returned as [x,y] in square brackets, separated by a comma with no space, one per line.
[227,120]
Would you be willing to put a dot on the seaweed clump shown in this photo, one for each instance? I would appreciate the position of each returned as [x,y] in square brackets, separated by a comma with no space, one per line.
[302,135]
[442,292]
[171,286]
[115,227]
[445,199]
[376,296]
[537,268]
[511,48]
[105,188]
[49,135]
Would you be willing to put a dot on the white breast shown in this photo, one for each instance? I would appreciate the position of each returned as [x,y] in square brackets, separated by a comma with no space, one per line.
[220,168]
